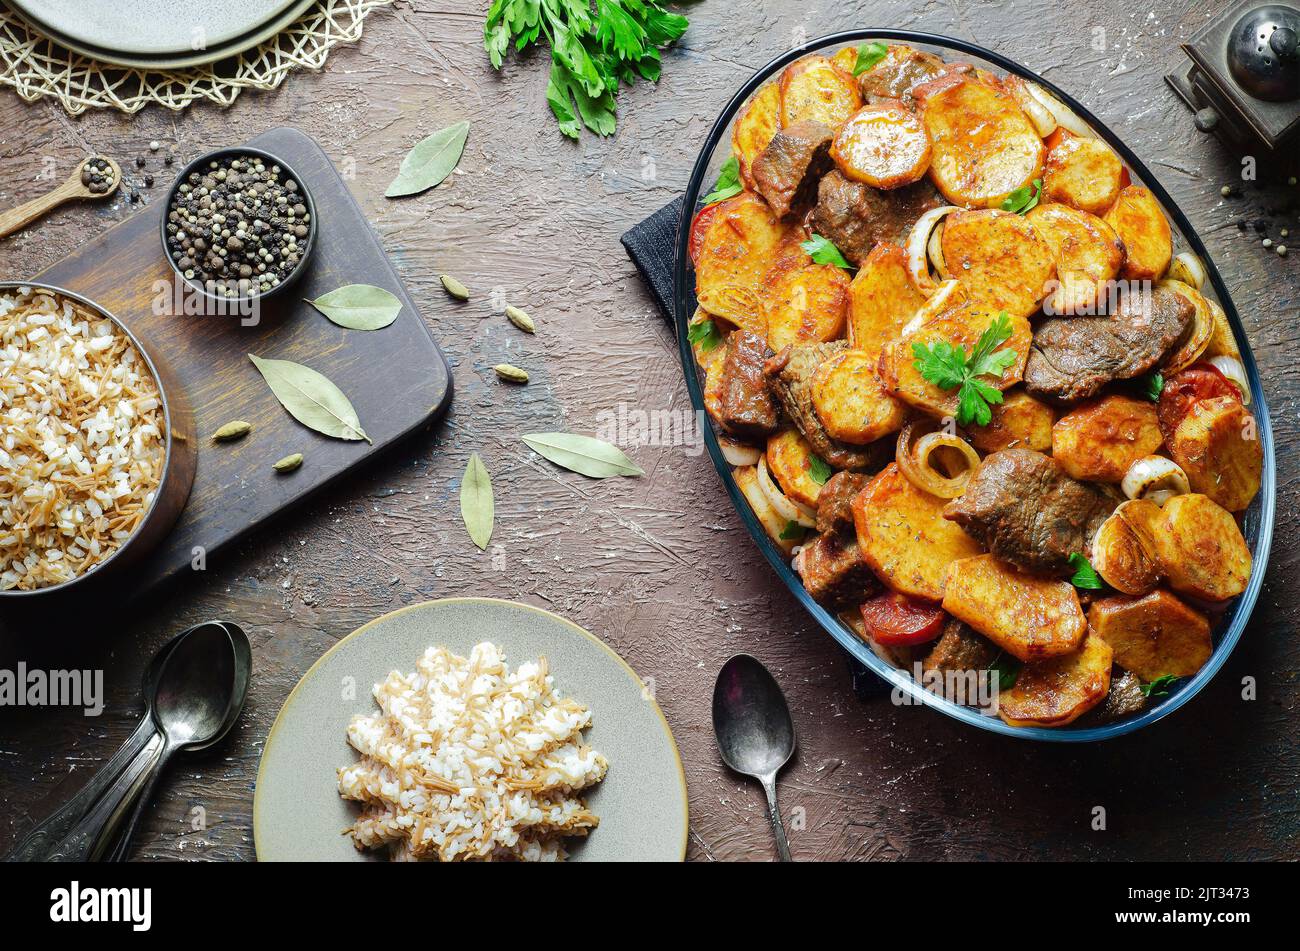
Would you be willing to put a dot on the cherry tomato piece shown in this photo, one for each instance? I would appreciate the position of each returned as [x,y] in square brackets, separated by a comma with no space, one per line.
[1200,381]
[896,620]
[699,228]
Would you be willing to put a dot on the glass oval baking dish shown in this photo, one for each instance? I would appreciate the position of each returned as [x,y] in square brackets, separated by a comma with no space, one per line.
[1257,522]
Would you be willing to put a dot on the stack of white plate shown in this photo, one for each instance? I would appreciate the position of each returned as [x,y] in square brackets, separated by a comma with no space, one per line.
[160,34]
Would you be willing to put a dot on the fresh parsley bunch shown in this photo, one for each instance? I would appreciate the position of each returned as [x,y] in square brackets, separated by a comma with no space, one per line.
[948,368]
[595,45]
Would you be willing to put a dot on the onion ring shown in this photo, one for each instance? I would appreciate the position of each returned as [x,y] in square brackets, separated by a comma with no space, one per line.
[918,241]
[784,506]
[916,458]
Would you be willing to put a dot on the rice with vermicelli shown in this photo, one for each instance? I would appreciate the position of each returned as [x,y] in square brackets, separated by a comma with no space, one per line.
[467,760]
[81,439]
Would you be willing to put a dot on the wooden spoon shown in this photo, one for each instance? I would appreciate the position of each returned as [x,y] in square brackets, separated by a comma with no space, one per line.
[25,214]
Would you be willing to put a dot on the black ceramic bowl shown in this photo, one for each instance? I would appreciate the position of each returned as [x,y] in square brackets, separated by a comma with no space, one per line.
[200,165]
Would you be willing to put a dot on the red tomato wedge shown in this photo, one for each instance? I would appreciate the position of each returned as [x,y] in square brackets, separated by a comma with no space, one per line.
[699,228]
[896,620]
[1200,381]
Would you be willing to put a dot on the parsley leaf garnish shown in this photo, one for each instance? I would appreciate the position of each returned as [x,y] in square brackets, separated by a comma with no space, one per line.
[823,251]
[869,54]
[1158,687]
[705,334]
[1007,668]
[728,182]
[792,532]
[948,368]
[593,50]
[819,470]
[1085,576]
[1153,384]
[1024,198]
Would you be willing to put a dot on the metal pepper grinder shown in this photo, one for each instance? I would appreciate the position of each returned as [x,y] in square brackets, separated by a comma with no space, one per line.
[1243,78]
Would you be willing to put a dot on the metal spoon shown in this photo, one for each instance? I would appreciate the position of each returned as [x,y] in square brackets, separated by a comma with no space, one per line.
[754,730]
[25,214]
[243,668]
[198,684]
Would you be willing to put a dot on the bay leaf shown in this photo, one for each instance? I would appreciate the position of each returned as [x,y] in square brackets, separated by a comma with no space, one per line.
[311,398]
[359,306]
[476,505]
[591,457]
[430,162]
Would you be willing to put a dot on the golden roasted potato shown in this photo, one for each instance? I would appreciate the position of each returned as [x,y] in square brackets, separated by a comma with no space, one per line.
[1120,551]
[1153,636]
[884,145]
[815,88]
[806,302]
[1060,690]
[1141,224]
[1000,259]
[1218,446]
[704,358]
[1088,256]
[789,460]
[754,128]
[1100,440]
[881,299]
[961,326]
[1201,549]
[739,245]
[713,385]
[983,146]
[904,537]
[1083,173]
[1030,618]
[846,59]
[1019,422]
[850,401]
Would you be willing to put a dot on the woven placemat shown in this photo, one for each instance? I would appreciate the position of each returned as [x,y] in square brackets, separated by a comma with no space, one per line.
[36,67]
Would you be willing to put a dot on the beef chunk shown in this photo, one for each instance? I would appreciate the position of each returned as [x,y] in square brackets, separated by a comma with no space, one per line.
[834,573]
[1124,699]
[834,513]
[1023,508]
[1072,358]
[857,217]
[900,72]
[790,373]
[960,650]
[786,172]
[748,408]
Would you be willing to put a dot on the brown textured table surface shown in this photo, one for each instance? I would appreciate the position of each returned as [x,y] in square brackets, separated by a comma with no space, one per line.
[660,567]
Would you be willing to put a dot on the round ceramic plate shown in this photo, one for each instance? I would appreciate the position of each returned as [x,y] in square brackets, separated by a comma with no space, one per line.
[186,58]
[152,27]
[298,814]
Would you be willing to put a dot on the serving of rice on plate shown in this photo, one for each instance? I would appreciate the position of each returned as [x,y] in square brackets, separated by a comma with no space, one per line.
[469,761]
[82,447]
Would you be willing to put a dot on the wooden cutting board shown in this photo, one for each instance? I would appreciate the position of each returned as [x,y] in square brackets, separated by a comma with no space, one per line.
[397,378]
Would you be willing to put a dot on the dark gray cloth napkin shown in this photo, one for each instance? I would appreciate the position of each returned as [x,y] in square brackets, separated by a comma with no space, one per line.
[652,247]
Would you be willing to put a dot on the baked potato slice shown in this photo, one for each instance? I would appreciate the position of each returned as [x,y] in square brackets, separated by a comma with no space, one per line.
[1088,256]
[961,326]
[815,88]
[1083,173]
[850,401]
[1201,549]
[881,300]
[1029,617]
[1218,446]
[883,145]
[1101,439]
[705,357]
[999,258]
[1153,636]
[790,461]
[1141,224]
[1018,422]
[983,146]
[805,302]
[754,128]
[740,243]
[1058,691]
[904,537]
[713,384]
[1121,551]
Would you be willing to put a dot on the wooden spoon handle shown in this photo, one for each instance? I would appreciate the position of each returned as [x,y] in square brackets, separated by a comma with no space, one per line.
[26,213]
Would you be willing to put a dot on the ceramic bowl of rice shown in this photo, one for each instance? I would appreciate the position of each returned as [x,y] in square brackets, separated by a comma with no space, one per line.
[96,456]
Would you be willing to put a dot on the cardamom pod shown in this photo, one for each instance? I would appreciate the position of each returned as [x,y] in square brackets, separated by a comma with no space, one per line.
[521,319]
[511,374]
[237,429]
[288,463]
[454,287]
